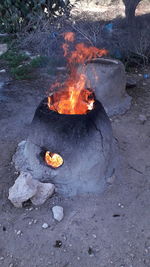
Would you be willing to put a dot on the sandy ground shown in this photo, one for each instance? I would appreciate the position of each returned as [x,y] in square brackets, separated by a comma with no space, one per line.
[111,229]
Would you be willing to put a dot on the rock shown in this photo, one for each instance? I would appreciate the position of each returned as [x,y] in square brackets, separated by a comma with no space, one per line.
[130,82]
[111,179]
[58,213]
[23,189]
[45,225]
[2,71]
[142,118]
[18,232]
[44,191]
[3,49]
[1,84]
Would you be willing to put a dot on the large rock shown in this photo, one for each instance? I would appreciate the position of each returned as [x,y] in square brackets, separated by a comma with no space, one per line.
[44,191]
[24,188]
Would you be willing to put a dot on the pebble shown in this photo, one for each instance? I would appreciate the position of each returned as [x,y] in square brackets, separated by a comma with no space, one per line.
[45,225]
[2,71]
[111,179]
[120,205]
[58,213]
[94,235]
[1,258]
[11,265]
[18,232]
[35,221]
[142,118]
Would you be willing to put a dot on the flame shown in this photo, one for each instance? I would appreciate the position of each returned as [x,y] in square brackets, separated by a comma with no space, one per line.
[52,159]
[73,97]
[69,36]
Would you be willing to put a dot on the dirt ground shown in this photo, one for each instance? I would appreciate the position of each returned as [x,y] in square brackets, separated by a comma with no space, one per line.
[111,229]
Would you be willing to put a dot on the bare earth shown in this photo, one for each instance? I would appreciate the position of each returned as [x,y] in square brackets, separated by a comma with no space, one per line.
[111,229]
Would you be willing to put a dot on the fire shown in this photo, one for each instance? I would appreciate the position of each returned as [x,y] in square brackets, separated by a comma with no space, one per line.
[69,36]
[73,97]
[52,159]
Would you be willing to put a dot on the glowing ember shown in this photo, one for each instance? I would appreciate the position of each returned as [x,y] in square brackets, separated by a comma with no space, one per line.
[52,159]
[73,97]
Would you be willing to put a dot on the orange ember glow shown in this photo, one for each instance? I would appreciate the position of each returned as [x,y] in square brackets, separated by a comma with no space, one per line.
[73,97]
[69,36]
[52,159]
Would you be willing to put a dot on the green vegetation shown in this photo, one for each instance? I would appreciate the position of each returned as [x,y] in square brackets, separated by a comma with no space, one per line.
[22,72]
[14,15]
[13,58]
[39,62]
[22,66]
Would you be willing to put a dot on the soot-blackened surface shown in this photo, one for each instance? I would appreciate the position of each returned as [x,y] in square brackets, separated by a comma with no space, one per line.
[69,125]
[85,142]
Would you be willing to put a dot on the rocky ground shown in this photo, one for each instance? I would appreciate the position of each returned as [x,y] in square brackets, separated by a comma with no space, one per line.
[111,229]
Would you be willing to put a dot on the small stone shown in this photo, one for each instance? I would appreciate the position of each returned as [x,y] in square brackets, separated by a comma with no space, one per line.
[2,71]
[58,244]
[61,68]
[58,213]
[11,265]
[30,222]
[44,191]
[1,258]
[94,235]
[78,258]
[27,53]
[18,232]
[24,188]
[35,221]
[142,118]
[3,49]
[111,179]
[45,225]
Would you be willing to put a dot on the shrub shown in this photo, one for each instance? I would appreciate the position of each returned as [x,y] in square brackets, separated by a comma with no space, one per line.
[14,14]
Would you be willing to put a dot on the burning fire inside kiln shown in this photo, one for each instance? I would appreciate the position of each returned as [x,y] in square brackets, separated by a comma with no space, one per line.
[70,142]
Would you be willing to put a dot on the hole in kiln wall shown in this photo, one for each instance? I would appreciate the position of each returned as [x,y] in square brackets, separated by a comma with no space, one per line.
[53,160]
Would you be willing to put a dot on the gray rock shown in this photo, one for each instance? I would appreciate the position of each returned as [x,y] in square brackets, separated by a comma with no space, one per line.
[58,213]
[130,82]
[2,71]
[24,188]
[142,118]
[45,225]
[3,49]
[44,191]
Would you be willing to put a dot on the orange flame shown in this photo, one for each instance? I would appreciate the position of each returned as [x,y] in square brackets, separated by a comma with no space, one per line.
[74,98]
[69,36]
[52,159]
